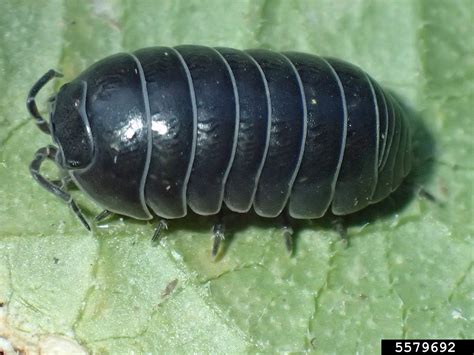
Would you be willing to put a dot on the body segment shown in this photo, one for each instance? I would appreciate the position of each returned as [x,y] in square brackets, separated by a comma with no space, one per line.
[287,132]
[173,130]
[116,111]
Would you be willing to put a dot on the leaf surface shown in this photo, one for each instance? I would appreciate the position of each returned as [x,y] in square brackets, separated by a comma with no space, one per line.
[407,271]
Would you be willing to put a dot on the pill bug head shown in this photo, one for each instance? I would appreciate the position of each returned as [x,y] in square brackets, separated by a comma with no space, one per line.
[70,126]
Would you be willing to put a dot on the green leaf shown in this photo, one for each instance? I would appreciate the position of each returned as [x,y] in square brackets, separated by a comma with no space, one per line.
[407,271]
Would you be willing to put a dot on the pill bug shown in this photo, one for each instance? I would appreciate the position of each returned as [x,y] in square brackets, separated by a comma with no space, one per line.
[162,129]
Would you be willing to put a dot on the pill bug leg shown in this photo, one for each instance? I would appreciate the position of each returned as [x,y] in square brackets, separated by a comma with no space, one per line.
[102,215]
[50,153]
[62,183]
[423,193]
[287,232]
[157,235]
[288,235]
[218,235]
[341,229]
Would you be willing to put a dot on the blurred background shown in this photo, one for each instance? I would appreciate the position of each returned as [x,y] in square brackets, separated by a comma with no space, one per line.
[405,273]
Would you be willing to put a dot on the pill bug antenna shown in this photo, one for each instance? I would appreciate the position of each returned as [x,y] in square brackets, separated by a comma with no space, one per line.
[31,103]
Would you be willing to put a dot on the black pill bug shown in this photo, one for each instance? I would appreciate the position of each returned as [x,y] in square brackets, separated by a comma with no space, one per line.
[161,129]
